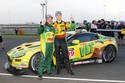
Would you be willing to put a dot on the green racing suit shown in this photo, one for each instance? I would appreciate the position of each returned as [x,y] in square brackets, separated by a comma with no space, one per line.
[46,33]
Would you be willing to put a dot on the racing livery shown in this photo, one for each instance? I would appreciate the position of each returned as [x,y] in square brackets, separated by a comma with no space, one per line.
[82,48]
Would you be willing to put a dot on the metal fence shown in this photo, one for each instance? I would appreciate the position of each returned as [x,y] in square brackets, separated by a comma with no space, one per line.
[24,31]
[24,28]
[32,29]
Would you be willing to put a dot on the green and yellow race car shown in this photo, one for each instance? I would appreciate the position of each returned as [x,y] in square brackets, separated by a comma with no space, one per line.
[82,48]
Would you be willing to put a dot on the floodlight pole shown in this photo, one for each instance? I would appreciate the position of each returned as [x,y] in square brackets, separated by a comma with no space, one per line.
[104,9]
[46,9]
[43,5]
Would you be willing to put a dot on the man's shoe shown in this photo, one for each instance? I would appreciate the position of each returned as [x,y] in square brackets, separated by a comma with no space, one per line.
[49,73]
[71,72]
[40,77]
[58,72]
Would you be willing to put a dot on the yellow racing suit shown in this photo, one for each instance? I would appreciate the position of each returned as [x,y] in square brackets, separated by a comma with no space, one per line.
[61,45]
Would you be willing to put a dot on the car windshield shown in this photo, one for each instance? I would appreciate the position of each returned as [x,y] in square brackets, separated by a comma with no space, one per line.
[81,37]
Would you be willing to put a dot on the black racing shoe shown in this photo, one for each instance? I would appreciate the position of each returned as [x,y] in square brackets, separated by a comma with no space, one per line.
[40,77]
[49,73]
[58,72]
[70,72]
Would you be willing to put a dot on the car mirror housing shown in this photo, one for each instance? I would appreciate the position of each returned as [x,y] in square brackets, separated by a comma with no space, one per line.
[101,41]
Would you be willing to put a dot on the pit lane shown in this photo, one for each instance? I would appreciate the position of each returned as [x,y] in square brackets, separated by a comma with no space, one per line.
[112,72]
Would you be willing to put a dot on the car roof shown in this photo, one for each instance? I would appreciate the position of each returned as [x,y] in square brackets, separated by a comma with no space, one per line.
[83,33]
[86,33]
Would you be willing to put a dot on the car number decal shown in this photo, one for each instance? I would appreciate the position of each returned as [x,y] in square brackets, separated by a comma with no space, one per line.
[86,49]
[71,53]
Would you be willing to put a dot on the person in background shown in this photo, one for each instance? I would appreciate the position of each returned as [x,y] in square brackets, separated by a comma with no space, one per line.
[120,35]
[1,39]
[112,25]
[61,43]
[94,26]
[46,32]
[107,26]
[116,25]
[99,24]
[86,25]
[103,26]
[16,31]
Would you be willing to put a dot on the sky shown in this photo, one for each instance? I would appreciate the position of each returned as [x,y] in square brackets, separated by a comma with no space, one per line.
[27,11]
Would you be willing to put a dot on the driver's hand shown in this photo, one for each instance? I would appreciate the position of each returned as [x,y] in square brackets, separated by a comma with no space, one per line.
[43,22]
[72,18]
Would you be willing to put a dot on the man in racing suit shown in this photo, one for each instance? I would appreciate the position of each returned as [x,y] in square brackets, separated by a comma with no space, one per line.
[60,42]
[46,32]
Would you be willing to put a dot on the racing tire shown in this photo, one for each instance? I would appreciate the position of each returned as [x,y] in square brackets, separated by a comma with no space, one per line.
[7,66]
[109,54]
[34,62]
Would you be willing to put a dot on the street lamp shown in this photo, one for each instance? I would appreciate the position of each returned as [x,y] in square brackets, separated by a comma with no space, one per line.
[46,8]
[44,5]
[105,9]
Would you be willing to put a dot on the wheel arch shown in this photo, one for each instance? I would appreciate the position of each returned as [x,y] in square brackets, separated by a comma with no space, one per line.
[98,51]
[31,60]
[113,47]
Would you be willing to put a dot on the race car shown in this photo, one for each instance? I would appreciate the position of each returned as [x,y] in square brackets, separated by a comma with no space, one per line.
[83,48]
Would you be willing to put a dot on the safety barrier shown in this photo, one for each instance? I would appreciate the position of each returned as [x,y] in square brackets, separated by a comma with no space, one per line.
[33,30]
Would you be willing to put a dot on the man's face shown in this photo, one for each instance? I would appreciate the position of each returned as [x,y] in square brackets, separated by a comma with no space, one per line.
[84,22]
[95,22]
[49,20]
[58,17]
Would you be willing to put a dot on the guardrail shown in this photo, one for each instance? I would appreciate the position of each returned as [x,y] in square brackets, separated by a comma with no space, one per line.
[109,30]
[25,28]
[24,31]
[33,30]
[112,30]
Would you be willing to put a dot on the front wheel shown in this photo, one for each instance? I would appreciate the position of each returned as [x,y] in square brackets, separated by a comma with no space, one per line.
[35,62]
[109,54]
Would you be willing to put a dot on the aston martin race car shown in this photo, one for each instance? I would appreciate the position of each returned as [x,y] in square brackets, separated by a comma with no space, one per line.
[82,48]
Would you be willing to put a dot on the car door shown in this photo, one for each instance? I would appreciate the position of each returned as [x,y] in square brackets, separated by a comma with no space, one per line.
[87,42]
[73,49]
[84,50]
[86,46]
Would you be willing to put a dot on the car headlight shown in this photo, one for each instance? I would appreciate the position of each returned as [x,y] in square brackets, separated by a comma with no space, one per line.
[18,54]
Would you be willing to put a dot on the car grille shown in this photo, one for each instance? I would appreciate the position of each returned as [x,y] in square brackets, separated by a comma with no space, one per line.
[17,60]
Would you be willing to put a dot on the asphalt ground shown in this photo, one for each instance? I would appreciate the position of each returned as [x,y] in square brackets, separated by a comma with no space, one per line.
[88,73]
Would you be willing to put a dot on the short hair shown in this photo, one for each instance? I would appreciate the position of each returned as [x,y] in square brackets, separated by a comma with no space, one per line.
[49,16]
[58,12]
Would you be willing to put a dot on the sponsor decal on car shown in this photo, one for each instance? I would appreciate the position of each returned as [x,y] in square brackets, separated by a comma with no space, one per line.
[71,53]
[86,49]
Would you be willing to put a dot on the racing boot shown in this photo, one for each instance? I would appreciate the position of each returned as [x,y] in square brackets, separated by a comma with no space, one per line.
[40,77]
[70,72]
[58,71]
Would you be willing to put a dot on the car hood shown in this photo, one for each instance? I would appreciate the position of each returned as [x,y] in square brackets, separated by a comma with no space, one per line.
[23,48]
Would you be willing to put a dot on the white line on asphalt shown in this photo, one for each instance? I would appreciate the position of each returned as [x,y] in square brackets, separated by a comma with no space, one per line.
[69,79]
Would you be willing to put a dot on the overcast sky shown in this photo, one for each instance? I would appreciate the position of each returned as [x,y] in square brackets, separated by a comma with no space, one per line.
[27,11]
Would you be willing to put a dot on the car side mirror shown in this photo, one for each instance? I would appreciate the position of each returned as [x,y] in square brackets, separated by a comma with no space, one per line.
[75,42]
[101,41]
